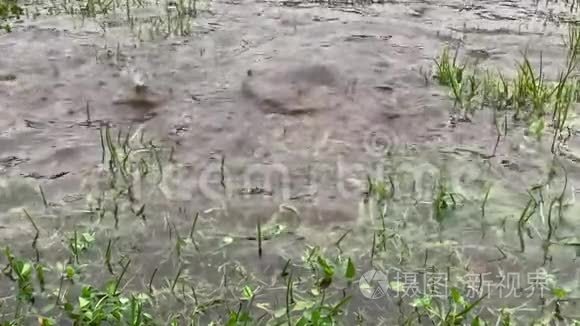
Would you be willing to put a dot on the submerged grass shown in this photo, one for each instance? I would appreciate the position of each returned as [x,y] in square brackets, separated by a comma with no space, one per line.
[83,284]
[529,95]
[162,19]
[106,266]
[9,10]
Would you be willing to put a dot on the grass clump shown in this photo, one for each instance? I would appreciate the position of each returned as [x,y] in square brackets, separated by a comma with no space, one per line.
[9,10]
[94,274]
[175,18]
[530,96]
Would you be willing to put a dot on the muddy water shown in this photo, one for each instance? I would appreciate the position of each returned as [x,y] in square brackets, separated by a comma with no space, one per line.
[314,97]
[197,104]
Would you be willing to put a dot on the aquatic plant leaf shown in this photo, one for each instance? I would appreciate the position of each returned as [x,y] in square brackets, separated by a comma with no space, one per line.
[560,293]
[422,302]
[350,270]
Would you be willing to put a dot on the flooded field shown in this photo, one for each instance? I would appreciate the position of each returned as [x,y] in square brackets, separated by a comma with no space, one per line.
[289,163]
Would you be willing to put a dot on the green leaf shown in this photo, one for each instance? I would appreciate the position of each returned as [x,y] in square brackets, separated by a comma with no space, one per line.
[247,292]
[40,276]
[422,302]
[457,297]
[43,321]
[111,287]
[83,302]
[88,314]
[315,316]
[559,293]
[325,282]
[233,319]
[70,272]
[326,267]
[477,322]
[68,307]
[88,238]
[26,269]
[86,291]
[350,270]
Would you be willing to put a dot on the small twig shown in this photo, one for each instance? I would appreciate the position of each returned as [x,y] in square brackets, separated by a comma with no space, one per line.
[121,276]
[151,280]
[192,231]
[222,173]
[44,201]
[176,279]
[88,109]
[36,235]
[259,239]
[108,258]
